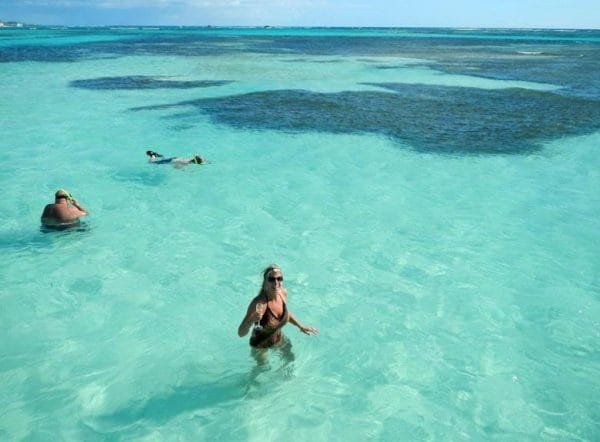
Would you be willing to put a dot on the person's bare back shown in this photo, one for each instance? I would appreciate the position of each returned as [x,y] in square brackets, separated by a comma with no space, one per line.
[64,211]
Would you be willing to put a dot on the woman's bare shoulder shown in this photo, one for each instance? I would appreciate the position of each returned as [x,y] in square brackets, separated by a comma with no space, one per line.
[259,299]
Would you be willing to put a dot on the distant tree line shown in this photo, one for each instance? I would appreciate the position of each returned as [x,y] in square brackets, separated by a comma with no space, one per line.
[10,23]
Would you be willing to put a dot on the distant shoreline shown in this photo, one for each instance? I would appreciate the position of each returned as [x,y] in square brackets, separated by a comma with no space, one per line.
[16,24]
[12,24]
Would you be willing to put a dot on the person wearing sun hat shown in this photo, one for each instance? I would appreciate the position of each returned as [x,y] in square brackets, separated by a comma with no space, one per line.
[65,211]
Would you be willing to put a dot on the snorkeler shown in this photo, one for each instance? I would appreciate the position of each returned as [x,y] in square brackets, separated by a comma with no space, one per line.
[156,158]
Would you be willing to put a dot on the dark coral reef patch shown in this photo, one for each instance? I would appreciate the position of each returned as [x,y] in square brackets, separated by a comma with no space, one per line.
[428,118]
[133,82]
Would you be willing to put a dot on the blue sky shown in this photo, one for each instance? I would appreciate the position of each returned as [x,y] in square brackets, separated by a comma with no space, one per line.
[458,13]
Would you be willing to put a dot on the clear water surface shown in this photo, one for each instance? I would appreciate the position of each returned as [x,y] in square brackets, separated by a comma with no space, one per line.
[432,196]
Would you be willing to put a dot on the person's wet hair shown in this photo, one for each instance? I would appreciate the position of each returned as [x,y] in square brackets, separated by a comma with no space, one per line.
[61,193]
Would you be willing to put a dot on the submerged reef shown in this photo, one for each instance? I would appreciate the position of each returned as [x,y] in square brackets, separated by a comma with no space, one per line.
[440,119]
[133,82]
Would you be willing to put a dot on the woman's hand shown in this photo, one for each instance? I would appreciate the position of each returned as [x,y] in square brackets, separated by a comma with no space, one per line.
[308,330]
[253,315]
[259,311]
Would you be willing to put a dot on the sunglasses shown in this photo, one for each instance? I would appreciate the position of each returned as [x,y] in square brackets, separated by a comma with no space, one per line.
[273,279]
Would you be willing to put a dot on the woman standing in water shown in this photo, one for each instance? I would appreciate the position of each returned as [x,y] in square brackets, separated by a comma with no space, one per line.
[268,312]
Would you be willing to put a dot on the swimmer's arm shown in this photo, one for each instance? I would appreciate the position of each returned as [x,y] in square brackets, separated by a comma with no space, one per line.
[252,315]
[303,328]
[77,209]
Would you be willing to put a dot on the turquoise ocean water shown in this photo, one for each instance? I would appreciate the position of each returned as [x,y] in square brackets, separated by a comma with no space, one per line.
[432,196]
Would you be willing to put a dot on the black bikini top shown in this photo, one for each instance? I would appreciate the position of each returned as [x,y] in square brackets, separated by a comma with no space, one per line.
[269,318]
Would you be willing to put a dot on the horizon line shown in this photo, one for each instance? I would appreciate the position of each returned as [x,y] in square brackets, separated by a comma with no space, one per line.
[464,28]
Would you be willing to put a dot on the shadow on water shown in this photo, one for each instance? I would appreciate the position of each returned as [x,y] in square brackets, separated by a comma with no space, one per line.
[271,368]
[22,241]
[175,401]
[81,226]
[151,177]
[25,240]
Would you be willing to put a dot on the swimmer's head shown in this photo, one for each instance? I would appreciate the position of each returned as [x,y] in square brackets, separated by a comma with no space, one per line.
[198,160]
[62,193]
[153,154]
[273,271]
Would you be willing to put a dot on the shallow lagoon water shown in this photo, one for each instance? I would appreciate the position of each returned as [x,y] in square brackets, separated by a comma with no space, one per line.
[455,285]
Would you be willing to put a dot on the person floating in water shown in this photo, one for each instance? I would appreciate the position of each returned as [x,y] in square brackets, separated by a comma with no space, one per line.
[269,313]
[156,158]
[64,212]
